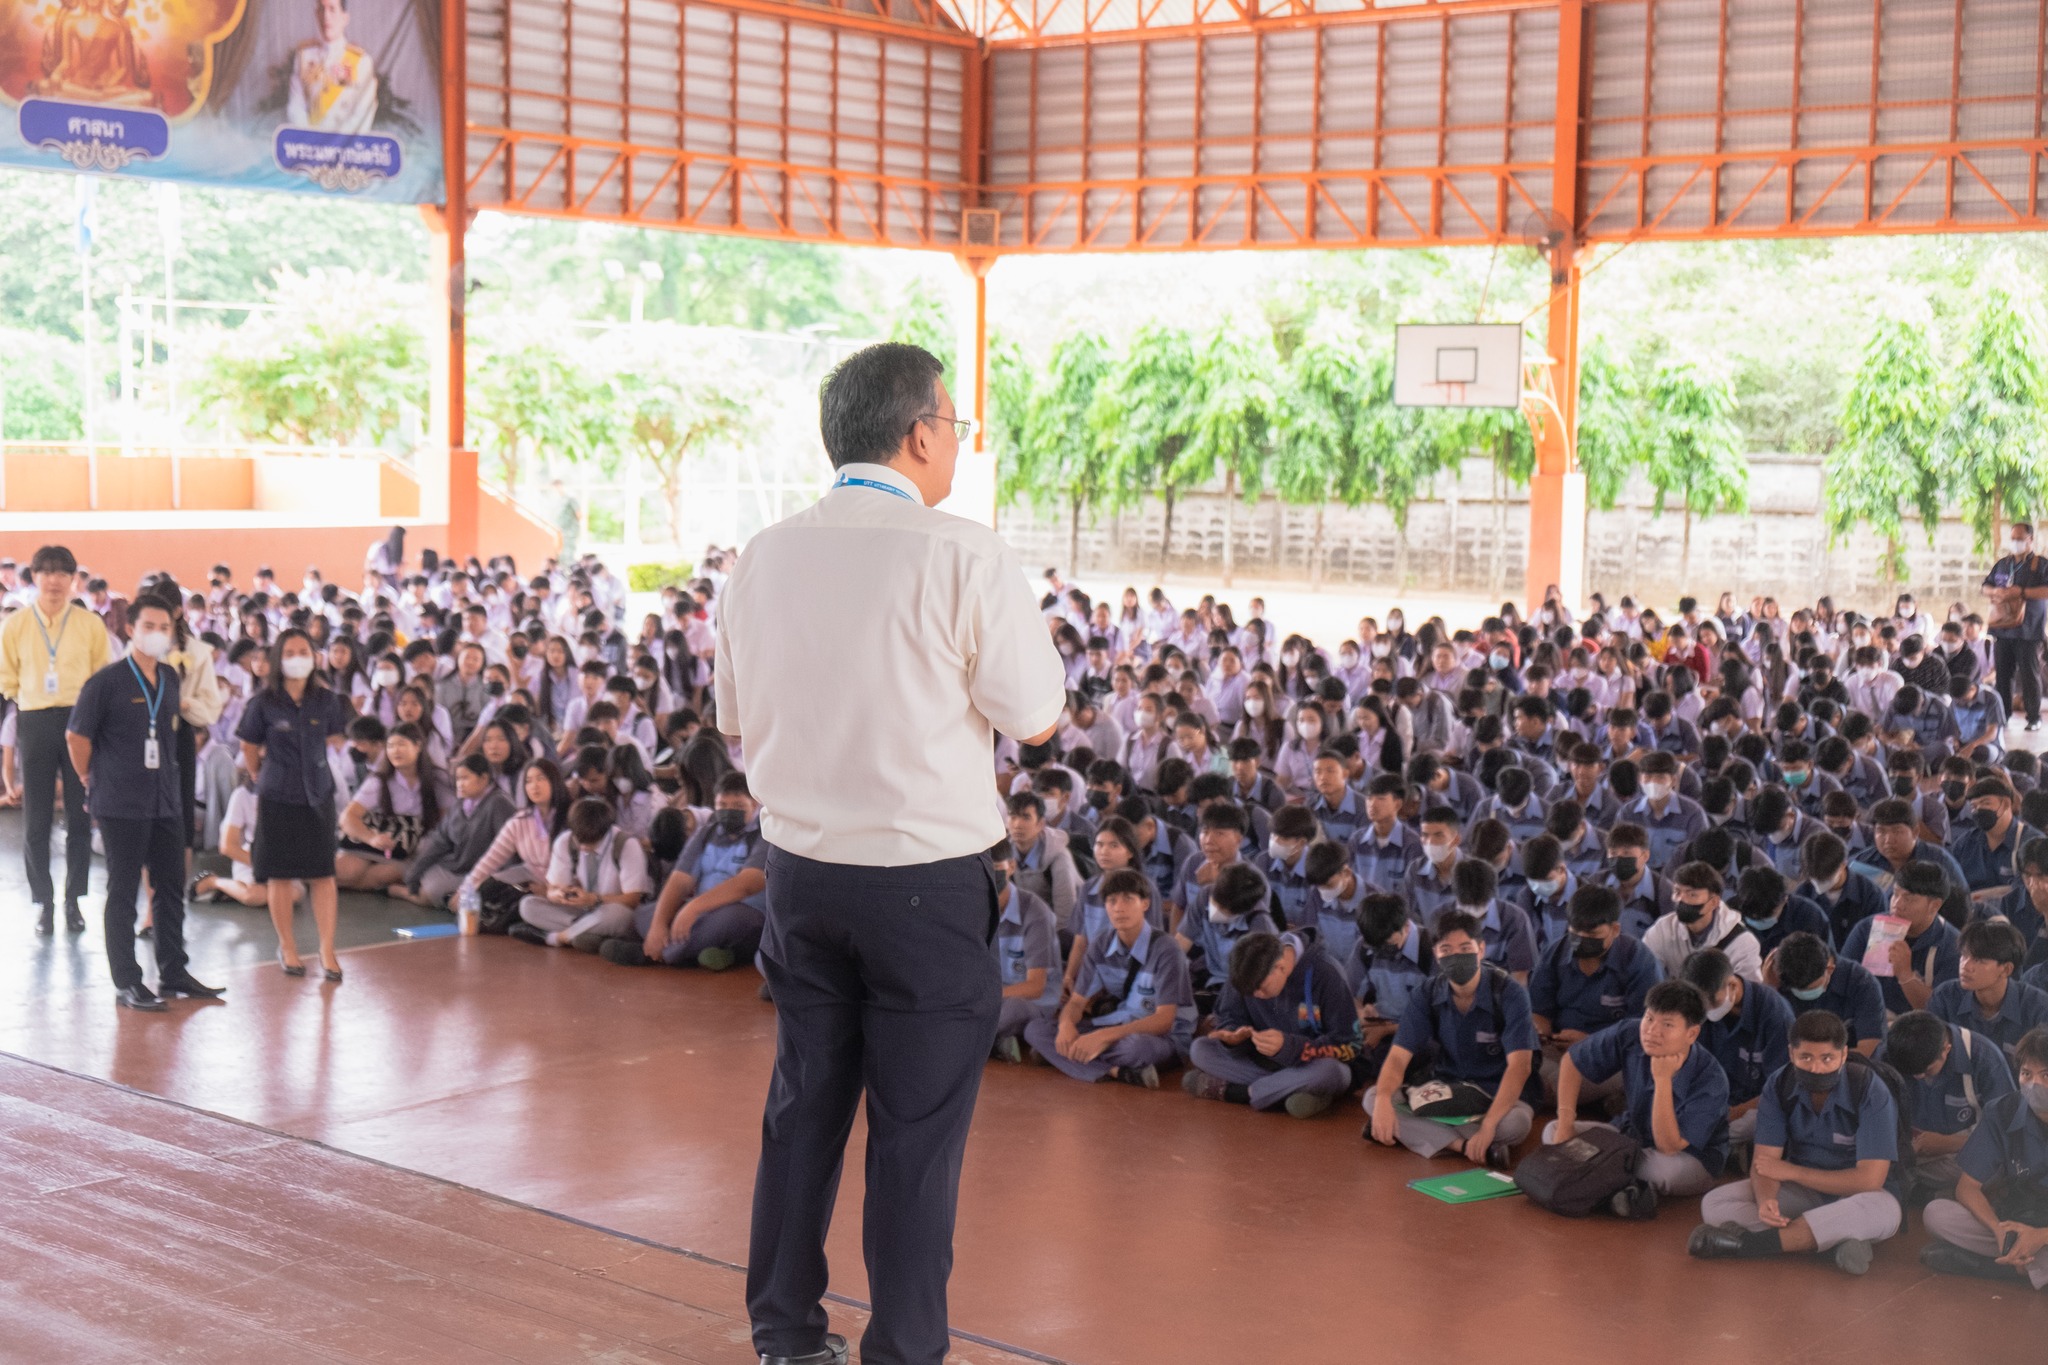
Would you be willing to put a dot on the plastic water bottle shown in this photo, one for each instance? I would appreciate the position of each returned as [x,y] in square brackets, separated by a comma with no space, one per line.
[468,908]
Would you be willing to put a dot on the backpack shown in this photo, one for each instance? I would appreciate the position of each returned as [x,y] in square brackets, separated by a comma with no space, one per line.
[1576,1177]
[1861,1071]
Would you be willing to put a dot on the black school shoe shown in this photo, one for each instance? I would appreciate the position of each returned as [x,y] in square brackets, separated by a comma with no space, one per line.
[526,933]
[1946,1258]
[139,998]
[1637,1202]
[833,1353]
[74,923]
[189,988]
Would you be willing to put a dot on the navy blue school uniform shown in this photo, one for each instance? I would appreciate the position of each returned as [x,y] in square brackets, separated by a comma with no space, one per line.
[1164,856]
[1751,1042]
[1844,1132]
[1160,978]
[1429,895]
[1265,793]
[1649,902]
[1681,822]
[2011,1139]
[1384,864]
[1984,867]
[1585,855]
[1865,781]
[1785,854]
[2023,1009]
[1799,916]
[1872,864]
[1510,942]
[1212,942]
[1677,737]
[1289,882]
[1335,923]
[1586,1002]
[1942,1103]
[1524,824]
[1472,1045]
[1856,901]
[1340,821]
[1699,1092]
[1937,955]
[1851,995]
[294,736]
[1390,976]
[1548,915]
[1313,1010]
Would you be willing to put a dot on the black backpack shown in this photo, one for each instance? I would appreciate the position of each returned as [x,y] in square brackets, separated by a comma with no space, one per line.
[1861,1071]
[1577,1177]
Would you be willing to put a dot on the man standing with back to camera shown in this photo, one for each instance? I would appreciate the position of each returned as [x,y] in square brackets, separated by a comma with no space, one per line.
[878,804]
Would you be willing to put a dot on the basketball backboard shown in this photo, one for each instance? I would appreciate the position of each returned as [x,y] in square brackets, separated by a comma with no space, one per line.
[1458,365]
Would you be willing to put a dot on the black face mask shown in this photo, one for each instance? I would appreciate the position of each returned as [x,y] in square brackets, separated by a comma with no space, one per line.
[1098,800]
[1817,1082]
[1984,818]
[1624,869]
[1903,785]
[1952,791]
[519,651]
[1586,948]
[1689,913]
[729,823]
[495,688]
[1459,967]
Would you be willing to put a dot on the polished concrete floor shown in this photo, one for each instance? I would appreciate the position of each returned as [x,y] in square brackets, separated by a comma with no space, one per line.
[1101,1225]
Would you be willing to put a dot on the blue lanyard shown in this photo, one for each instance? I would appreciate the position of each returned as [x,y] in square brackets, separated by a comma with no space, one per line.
[64,624]
[890,488]
[153,702]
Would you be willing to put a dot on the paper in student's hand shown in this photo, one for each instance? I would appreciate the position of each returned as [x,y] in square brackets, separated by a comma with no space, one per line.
[1885,930]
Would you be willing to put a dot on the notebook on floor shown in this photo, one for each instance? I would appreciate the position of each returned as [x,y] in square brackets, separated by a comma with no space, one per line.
[1467,1187]
[445,929]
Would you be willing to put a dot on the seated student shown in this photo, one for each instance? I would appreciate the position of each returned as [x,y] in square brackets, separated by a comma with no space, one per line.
[1286,1032]
[1285,859]
[1513,804]
[633,796]
[353,763]
[1578,838]
[1220,839]
[1170,786]
[1645,895]
[1931,950]
[590,679]
[1843,892]
[1055,787]
[2027,909]
[1700,919]
[1510,942]
[1827,1134]
[1213,789]
[1812,977]
[1674,1097]
[1164,850]
[1984,997]
[1027,951]
[1996,1228]
[1045,867]
[519,855]
[1950,1074]
[595,876]
[1469,1025]
[1337,894]
[1780,828]
[1395,957]
[1748,1029]
[398,805]
[1669,818]
[1894,842]
[1234,906]
[714,902]
[1336,807]
[1133,1006]
[462,838]
[237,838]
[1429,890]
[1251,784]
[1986,844]
[1385,848]
[1590,977]
[1771,912]
[1548,887]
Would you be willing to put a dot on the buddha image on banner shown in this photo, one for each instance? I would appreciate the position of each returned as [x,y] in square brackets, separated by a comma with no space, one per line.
[335,97]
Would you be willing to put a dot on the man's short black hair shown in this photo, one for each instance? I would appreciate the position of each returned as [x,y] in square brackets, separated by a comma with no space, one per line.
[1802,960]
[1326,858]
[1994,940]
[1023,801]
[1474,882]
[1593,906]
[53,559]
[1253,960]
[1914,1042]
[1239,890]
[1126,881]
[1380,917]
[1819,1026]
[1224,815]
[1681,998]
[1708,969]
[872,398]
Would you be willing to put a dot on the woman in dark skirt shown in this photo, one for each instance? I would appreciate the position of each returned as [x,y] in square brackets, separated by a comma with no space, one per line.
[287,730]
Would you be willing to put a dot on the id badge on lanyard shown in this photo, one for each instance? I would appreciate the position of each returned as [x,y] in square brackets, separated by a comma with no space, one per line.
[152,756]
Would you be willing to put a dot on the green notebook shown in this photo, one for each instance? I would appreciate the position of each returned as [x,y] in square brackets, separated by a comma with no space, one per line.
[1451,1121]
[1468,1187]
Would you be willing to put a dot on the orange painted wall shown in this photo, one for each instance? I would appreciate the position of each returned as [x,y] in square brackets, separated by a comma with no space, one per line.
[54,482]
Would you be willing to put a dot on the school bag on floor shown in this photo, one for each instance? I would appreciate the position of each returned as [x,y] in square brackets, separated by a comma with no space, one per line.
[1580,1175]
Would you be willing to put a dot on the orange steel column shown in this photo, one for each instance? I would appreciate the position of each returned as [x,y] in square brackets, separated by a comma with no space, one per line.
[1557,490]
[448,468]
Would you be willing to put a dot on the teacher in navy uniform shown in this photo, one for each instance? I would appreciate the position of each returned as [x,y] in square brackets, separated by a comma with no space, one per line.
[123,749]
[878,804]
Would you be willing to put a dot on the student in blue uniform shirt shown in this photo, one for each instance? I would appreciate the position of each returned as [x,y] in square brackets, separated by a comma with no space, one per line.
[713,906]
[1587,979]
[1951,1074]
[1442,785]
[1780,828]
[1337,892]
[1804,781]
[1547,889]
[1385,849]
[1748,1030]
[1670,819]
[1429,890]
[1578,838]
[1674,1097]
[1986,844]
[1986,997]
[1995,1227]
[1336,807]
[1470,1025]
[1894,842]
[1513,804]
[1133,1006]
[1931,950]
[1250,783]
[1236,905]
[1220,843]
[1396,956]
[1510,942]
[1827,1135]
[1811,976]
[1284,860]
[1286,1032]
[1771,912]
[1164,849]
[1212,789]
[1844,894]
[1027,952]
[1645,895]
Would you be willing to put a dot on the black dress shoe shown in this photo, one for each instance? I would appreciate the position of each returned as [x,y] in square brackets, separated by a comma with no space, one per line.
[146,932]
[139,998]
[46,923]
[833,1353]
[1946,1258]
[186,988]
[73,921]
[526,933]
[1715,1241]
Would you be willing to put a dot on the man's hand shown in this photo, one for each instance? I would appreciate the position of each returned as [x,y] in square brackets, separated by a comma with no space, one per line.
[1767,1213]
[1063,1041]
[1269,1042]
[1770,1167]
[1088,1046]
[1568,1036]
[1231,1037]
[1666,1068]
[1479,1140]
[1385,1124]
[2031,1241]
[1566,1127]
[656,940]
[1901,958]
[1769,972]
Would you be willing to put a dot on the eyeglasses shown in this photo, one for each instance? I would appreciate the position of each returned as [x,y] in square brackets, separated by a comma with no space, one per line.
[963,427]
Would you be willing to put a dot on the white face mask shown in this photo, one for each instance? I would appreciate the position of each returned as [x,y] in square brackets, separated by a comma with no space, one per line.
[1217,916]
[1657,791]
[1381,649]
[1280,852]
[1255,706]
[1438,854]
[1720,1011]
[154,643]
[1307,729]
[298,666]
[2019,546]
[387,677]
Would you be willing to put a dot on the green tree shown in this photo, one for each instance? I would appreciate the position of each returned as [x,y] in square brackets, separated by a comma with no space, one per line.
[1696,451]
[1235,411]
[535,396]
[1994,442]
[39,388]
[921,318]
[1323,452]
[1886,467]
[1056,458]
[336,362]
[1143,417]
[676,400]
[1614,431]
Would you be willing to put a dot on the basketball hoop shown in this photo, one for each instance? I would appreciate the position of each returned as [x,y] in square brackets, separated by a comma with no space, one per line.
[1448,393]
